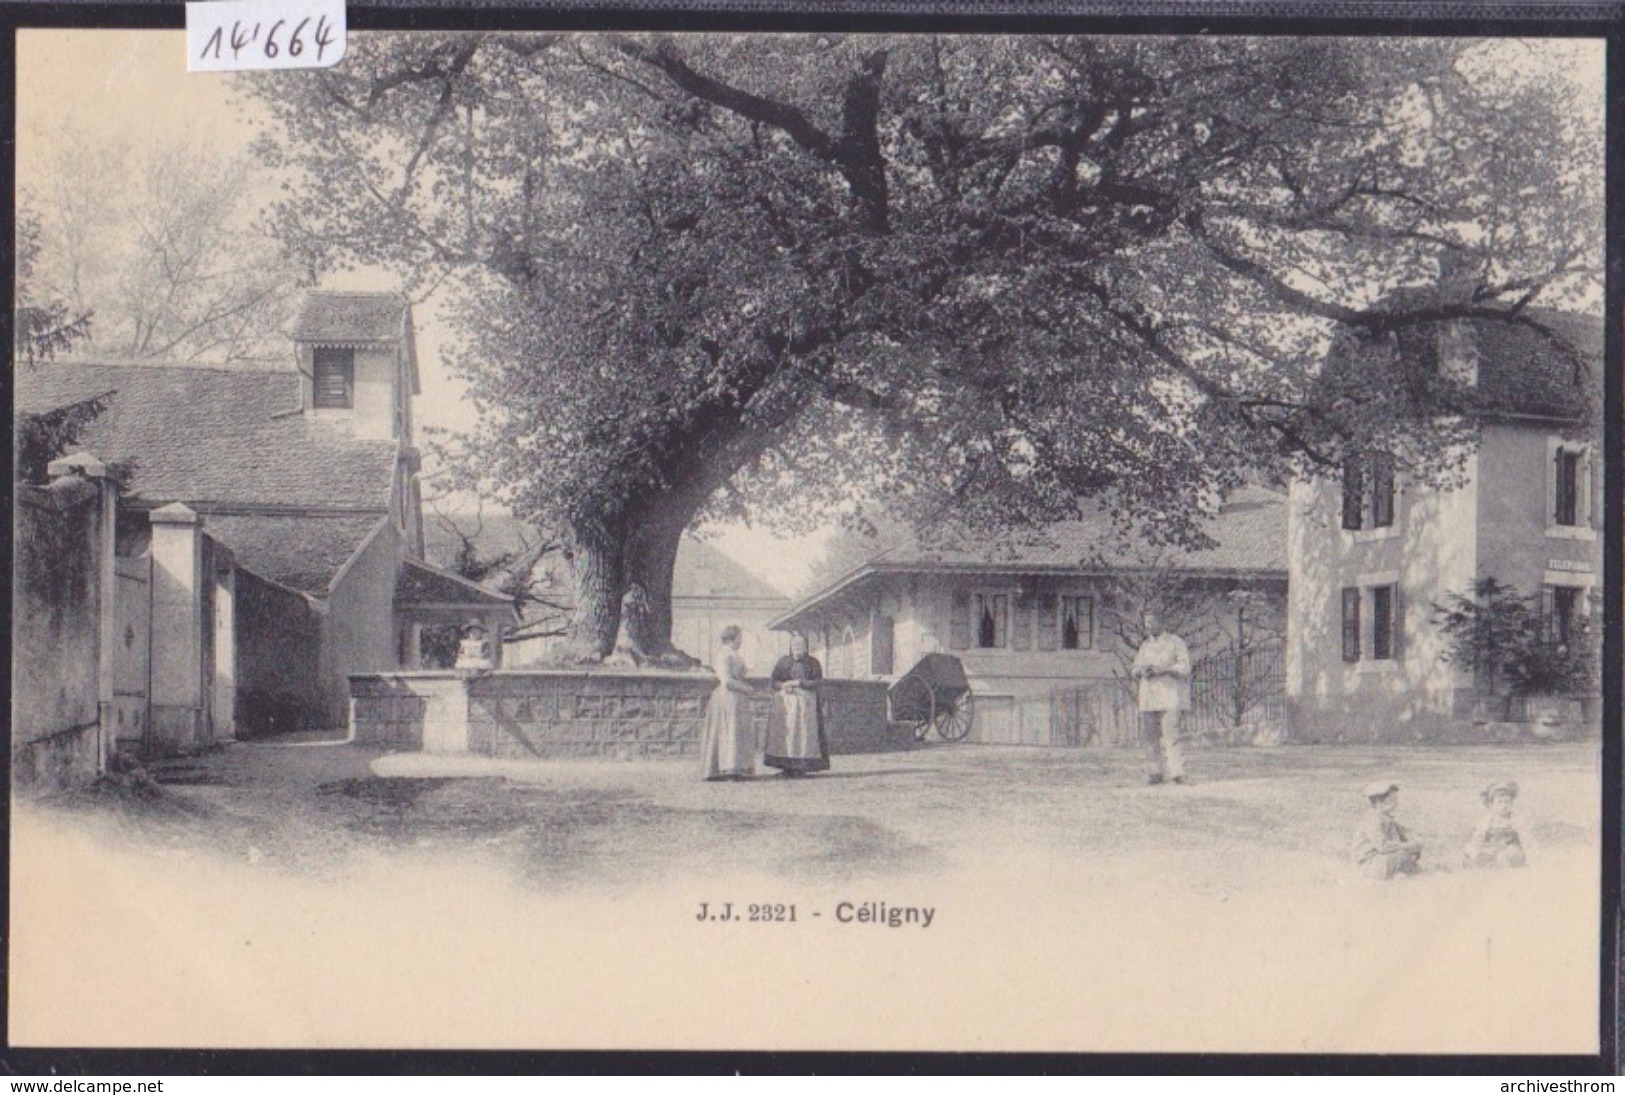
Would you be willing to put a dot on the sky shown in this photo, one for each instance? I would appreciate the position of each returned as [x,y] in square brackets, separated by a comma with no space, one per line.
[134,84]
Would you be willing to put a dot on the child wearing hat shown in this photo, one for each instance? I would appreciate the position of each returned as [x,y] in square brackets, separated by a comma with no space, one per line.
[1382,847]
[472,653]
[1497,841]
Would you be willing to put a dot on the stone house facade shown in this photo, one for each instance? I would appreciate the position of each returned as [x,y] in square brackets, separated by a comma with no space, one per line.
[1372,555]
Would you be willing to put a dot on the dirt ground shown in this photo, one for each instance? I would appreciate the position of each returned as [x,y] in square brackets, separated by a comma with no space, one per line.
[308,894]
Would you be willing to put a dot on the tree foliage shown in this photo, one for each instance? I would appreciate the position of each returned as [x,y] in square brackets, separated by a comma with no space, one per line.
[46,325]
[158,242]
[992,278]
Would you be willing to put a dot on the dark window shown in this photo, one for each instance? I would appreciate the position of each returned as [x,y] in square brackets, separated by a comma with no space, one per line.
[1077,623]
[1565,613]
[334,379]
[1568,487]
[1382,623]
[1382,490]
[1351,624]
[991,613]
[1353,492]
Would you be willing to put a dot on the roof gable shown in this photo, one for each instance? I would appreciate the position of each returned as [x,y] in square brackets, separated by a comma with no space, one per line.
[302,553]
[419,584]
[342,317]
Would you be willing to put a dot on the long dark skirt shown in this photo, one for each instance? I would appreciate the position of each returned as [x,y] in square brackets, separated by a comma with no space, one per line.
[795,734]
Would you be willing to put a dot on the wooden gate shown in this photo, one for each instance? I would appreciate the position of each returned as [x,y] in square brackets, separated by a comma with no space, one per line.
[132,648]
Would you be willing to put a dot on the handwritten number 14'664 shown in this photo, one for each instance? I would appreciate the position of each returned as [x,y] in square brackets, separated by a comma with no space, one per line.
[272,43]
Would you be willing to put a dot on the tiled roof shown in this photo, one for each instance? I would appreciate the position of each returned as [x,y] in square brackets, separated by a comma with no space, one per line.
[1553,373]
[420,583]
[349,317]
[701,571]
[303,553]
[216,435]
[1523,371]
[1249,531]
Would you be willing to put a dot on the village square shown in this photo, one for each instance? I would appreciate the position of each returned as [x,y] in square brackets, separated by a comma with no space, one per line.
[1186,456]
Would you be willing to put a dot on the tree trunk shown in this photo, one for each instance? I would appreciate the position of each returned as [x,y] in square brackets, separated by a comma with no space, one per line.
[599,567]
[651,559]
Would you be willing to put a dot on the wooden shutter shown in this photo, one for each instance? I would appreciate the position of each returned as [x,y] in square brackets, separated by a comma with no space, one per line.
[1397,630]
[959,621]
[880,646]
[1353,492]
[1049,627]
[333,378]
[1351,623]
[1021,625]
[1382,490]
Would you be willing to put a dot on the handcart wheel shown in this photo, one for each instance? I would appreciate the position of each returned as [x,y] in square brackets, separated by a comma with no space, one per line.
[915,703]
[955,716]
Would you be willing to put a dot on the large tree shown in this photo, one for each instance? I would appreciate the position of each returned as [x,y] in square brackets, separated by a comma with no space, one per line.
[1000,278]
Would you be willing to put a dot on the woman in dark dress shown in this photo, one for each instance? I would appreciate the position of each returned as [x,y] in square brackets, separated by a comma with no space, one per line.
[795,732]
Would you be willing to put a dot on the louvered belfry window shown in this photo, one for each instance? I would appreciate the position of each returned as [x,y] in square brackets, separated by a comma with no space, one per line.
[334,378]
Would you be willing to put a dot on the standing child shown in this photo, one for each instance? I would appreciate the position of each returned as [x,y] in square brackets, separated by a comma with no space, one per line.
[1497,842]
[1382,847]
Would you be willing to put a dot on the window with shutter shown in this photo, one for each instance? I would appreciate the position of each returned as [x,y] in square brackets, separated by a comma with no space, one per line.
[1077,623]
[333,378]
[1351,624]
[990,617]
[1382,623]
[1565,611]
[1353,493]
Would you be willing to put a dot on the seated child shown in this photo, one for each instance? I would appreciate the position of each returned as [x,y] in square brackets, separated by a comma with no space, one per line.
[1382,847]
[1496,842]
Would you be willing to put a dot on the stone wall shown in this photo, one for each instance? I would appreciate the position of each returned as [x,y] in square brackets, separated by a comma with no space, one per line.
[580,713]
[55,633]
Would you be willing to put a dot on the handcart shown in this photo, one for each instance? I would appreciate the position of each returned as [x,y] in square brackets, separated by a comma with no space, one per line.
[934,693]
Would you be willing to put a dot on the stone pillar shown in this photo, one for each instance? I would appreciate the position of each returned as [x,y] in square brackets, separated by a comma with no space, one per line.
[445,719]
[106,531]
[178,723]
[224,706]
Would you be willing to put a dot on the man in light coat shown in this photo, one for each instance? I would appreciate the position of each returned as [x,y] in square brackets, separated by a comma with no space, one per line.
[1162,666]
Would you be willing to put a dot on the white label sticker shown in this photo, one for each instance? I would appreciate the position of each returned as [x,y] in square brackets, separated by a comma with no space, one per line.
[240,35]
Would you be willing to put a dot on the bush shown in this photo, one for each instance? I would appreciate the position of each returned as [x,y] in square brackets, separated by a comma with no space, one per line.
[1498,632]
